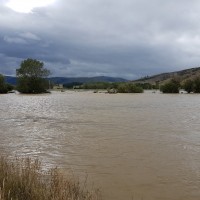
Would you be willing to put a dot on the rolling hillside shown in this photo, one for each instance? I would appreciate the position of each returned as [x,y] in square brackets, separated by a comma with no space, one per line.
[180,75]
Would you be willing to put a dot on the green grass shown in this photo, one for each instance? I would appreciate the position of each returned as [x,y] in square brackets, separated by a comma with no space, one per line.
[24,179]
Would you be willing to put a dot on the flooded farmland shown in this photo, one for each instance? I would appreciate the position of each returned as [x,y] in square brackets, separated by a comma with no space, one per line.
[131,146]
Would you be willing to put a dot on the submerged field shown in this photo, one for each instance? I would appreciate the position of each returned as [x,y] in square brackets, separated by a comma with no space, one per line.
[140,146]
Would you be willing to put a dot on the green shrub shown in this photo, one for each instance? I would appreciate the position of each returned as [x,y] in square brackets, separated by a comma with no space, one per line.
[188,85]
[129,88]
[197,85]
[3,87]
[170,87]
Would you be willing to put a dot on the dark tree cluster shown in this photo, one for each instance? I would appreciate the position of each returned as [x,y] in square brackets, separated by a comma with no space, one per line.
[4,87]
[32,77]
[118,87]
[129,88]
[192,85]
[170,87]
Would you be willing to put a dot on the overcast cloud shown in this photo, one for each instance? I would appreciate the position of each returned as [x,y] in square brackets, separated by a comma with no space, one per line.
[129,38]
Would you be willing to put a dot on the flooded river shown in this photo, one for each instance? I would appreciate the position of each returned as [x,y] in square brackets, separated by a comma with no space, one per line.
[131,146]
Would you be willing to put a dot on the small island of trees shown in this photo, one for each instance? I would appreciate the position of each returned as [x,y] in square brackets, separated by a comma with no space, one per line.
[32,77]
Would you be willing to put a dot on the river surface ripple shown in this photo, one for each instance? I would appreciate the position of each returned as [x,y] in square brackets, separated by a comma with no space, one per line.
[131,146]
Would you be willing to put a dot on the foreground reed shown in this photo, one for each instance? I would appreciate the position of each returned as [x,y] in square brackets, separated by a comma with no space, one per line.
[24,179]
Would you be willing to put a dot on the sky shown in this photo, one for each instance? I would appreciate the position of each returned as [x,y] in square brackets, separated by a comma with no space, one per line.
[129,39]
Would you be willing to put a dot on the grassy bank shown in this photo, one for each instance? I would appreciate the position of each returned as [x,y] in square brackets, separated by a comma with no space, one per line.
[24,179]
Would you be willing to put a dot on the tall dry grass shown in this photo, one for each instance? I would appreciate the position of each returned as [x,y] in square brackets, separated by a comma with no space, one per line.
[24,179]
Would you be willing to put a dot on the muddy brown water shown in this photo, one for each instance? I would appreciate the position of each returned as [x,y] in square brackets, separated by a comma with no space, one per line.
[131,146]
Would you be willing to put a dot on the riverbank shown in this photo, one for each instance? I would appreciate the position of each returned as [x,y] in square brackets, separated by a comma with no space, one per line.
[24,179]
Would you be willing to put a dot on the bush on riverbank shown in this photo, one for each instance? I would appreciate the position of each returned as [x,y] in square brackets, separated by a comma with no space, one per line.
[170,87]
[129,88]
[24,179]
[4,87]
[192,85]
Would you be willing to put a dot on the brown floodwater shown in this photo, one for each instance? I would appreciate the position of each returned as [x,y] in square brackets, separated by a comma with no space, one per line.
[131,146]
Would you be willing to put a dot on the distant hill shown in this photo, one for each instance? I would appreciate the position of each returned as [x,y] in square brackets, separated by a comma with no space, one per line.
[180,75]
[11,80]
[64,80]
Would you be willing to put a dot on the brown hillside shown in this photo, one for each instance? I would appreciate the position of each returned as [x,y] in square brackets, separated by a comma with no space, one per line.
[164,77]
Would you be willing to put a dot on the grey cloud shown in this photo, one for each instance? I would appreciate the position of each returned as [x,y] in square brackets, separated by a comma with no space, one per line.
[28,35]
[16,40]
[127,38]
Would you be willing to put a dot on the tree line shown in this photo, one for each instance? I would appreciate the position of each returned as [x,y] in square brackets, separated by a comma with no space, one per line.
[112,87]
[174,85]
[32,78]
